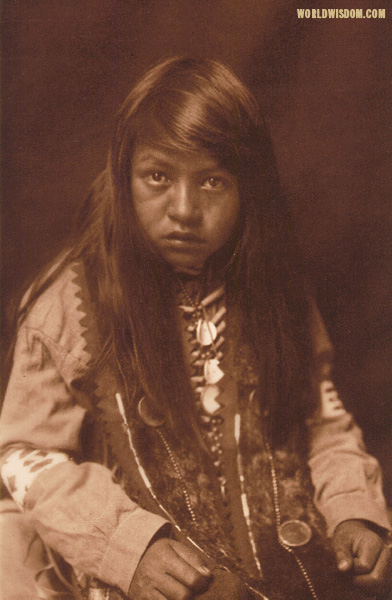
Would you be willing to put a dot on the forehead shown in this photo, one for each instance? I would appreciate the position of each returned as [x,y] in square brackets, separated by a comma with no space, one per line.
[154,156]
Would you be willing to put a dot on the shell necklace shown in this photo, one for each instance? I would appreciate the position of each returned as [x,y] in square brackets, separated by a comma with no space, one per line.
[205,330]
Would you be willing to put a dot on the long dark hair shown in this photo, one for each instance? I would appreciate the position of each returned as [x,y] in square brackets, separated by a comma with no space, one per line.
[192,105]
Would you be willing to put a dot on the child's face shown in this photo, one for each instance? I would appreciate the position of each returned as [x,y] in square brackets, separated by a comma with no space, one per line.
[187,204]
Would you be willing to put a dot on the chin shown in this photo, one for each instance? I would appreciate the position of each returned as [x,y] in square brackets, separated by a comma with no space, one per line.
[188,269]
[184,264]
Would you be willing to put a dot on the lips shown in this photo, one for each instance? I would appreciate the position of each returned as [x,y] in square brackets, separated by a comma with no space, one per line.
[184,237]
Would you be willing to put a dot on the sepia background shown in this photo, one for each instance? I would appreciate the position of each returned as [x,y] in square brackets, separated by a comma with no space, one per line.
[325,89]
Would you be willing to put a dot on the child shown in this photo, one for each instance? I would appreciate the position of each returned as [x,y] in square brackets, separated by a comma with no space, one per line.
[171,379]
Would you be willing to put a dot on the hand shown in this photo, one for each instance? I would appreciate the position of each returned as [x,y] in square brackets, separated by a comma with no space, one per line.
[169,570]
[362,552]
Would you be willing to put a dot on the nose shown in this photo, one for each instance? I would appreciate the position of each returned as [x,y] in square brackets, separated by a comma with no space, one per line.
[185,206]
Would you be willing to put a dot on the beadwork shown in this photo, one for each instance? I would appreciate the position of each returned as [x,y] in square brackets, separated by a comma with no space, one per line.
[203,328]
[211,421]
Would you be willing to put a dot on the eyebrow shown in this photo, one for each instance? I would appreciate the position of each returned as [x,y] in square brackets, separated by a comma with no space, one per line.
[152,158]
[148,157]
[162,161]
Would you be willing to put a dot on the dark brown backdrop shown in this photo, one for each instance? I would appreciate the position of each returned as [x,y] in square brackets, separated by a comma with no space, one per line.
[324,85]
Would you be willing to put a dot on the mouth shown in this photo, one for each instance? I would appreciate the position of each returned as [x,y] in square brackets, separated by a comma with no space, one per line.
[184,237]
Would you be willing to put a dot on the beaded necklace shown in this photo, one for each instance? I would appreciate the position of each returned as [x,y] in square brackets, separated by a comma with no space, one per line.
[206,342]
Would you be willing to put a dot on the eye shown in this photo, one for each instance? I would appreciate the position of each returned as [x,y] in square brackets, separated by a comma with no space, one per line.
[214,183]
[157,177]
[154,177]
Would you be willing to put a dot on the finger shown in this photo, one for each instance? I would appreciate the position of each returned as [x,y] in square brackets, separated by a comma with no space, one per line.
[145,590]
[367,550]
[344,561]
[195,576]
[172,589]
[192,558]
[153,594]
[190,578]
[379,579]
[343,551]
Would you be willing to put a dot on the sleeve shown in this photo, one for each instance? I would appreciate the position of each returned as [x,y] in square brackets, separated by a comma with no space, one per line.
[347,480]
[77,509]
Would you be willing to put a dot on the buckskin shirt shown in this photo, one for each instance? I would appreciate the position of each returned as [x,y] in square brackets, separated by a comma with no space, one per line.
[101,521]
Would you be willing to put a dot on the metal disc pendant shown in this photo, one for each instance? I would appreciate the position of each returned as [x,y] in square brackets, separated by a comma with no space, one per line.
[295,533]
[208,399]
[148,414]
[212,371]
[205,332]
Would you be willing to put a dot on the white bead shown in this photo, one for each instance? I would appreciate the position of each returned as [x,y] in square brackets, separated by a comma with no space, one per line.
[212,371]
[205,332]
[208,399]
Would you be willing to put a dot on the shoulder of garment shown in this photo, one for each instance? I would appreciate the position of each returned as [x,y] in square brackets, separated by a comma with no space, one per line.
[62,317]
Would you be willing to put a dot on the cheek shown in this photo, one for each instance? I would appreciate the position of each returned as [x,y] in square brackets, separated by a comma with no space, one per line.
[148,210]
[140,213]
[227,219]
[143,218]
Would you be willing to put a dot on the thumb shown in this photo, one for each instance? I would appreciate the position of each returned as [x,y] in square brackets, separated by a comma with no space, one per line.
[342,545]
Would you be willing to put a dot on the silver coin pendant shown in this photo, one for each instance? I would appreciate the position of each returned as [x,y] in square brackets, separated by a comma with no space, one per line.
[295,533]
